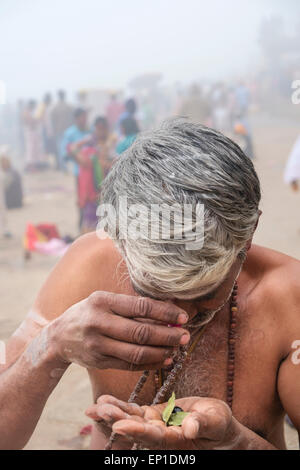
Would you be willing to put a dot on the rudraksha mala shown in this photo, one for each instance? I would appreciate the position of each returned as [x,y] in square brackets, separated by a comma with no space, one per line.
[231,346]
[165,388]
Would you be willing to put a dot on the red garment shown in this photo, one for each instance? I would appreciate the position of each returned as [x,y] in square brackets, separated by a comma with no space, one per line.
[49,230]
[39,233]
[86,186]
[113,112]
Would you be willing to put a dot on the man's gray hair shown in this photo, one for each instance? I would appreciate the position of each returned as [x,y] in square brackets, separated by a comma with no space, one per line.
[182,162]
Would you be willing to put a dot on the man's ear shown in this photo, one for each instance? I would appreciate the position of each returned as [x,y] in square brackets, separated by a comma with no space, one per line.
[258,217]
[249,242]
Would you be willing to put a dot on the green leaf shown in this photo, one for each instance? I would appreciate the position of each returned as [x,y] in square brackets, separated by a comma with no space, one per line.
[177,418]
[169,408]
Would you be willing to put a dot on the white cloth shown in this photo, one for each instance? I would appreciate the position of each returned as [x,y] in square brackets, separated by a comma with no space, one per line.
[292,169]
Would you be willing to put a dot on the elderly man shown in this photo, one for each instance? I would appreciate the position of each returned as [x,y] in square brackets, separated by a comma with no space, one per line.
[112,303]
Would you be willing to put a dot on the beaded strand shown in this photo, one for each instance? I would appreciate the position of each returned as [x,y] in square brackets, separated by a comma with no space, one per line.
[231,346]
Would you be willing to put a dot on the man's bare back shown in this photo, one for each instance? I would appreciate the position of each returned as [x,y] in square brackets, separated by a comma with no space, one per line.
[267,381]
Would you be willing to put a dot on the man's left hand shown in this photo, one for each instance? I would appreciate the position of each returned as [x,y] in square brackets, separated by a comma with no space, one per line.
[209,425]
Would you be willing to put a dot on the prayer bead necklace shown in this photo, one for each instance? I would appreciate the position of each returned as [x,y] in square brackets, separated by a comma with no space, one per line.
[164,387]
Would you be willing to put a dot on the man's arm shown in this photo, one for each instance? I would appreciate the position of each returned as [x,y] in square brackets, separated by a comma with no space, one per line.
[72,323]
[289,383]
[26,379]
[25,387]
[245,439]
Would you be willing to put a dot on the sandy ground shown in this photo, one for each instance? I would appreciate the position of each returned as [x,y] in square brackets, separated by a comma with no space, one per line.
[50,198]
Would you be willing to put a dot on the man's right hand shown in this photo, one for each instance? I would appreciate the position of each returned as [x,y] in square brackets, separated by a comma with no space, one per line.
[116,331]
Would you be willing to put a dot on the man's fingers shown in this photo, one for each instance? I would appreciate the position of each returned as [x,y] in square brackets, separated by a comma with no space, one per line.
[118,364]
[131,331]
[129,408]
[139,307]
[153,434]
[209,420]
[110,409]
[132,354]
[91,412]
[199,425]
[190,426]
[152,413]
[141,432]
[110,413]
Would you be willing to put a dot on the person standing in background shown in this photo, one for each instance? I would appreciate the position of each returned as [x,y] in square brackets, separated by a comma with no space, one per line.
[94,156]
[20,130]
[195,106]
[73,134]
[76,133]
[129,129]
[241,118]
[242,95]
[292,169]
[62,117]
[34,152]
[12,183]
[3,230]
[44,113]
[129,111]
[220,109]
[113,111]
[4,233]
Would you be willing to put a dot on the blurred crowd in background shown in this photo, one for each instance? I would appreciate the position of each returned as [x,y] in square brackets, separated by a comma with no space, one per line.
[86,133]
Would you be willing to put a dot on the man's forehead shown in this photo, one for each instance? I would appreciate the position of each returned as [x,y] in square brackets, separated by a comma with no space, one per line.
[209,293]
[188,297]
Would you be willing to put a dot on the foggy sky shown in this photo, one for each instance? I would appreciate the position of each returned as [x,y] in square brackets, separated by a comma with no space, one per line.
[48,44]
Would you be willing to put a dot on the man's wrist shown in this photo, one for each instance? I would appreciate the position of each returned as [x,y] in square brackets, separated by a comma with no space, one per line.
[44,350]
[242,438]
[236,436]
[54,340]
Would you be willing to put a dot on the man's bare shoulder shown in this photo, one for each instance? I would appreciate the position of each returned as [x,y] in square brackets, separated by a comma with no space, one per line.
[90,256]
[90,264]
[274,269]
[276,291]
[95,250]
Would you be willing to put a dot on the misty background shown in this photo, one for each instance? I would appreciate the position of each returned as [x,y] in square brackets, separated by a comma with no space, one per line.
[76,44]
